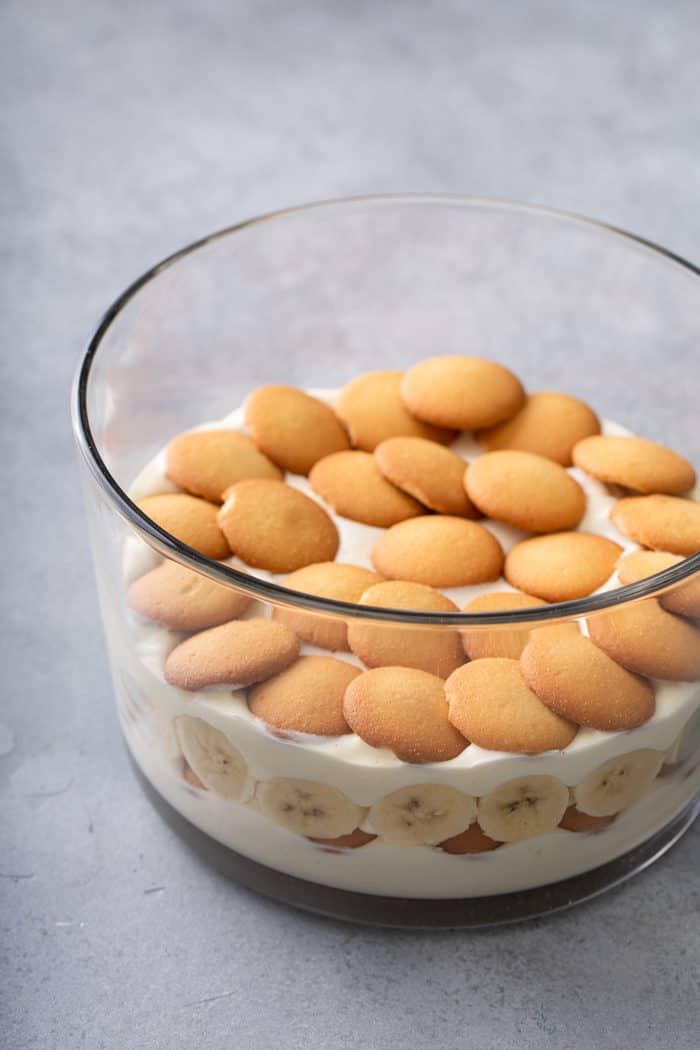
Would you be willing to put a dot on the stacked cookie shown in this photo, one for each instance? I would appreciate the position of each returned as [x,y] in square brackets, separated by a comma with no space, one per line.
[278,498]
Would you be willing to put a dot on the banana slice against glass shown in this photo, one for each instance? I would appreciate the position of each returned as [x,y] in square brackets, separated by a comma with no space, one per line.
[218,764]
[523,808]
[308,808]
[618,783]
[422,815]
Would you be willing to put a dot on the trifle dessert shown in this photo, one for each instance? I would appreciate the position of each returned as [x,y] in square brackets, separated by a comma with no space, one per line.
[427,714]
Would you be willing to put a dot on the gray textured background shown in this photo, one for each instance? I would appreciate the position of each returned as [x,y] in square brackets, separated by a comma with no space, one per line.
[129,129]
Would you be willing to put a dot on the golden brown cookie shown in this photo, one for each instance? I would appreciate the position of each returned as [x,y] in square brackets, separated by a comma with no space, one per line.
[329,579]
[498,640]
[405,710]
[634,463]
[183,600]
[666,523]
[561,566]
[576,820]
[206,462]
[189,519]
[436,650]
[492,706]
[466,393]
[548,424]
[293,428]
[352,484]
[272,526]
[526,491]
[578,681]
[355,840]
[427,471]
[645,638]
[239,653]
[372,410]
[473,840]
[440,551]
[306,697]
[684,599]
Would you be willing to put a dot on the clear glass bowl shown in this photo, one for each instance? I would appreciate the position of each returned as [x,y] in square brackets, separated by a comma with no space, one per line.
[312,297]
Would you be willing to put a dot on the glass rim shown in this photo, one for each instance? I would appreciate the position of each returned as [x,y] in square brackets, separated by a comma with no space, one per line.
[168,546]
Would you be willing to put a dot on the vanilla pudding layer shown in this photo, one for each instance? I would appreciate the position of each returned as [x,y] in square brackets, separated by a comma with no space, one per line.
[149,706]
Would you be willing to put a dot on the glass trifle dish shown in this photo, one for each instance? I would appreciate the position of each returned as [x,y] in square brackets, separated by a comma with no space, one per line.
[396,531]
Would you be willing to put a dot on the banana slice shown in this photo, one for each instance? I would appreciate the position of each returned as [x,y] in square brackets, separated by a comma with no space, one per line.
[212,757]
[618,782]
[422,815]
[308,808]
[523,808]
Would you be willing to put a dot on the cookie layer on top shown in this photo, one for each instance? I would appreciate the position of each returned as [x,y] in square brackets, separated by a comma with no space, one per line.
[372,409]
[353,485]
[293,428]
[238,653]
[273,526]
[383,644]
[206,462]
[440,551]
[580,682]
[467,393]
[548,424]
[182,600]
[427,471]
[491,704]
[526,491]
[635,463]
[405,710]
[330,579]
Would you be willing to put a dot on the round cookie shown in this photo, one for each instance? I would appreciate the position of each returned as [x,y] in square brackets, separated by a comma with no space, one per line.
[440,551]
[352,484]
[561,566]
[645,638]
[492,706]
[189,519]
[473,840]
[578,681]
[480,642]
[355,840]
[548,424]
[465,393]
[576,820]
[183,600]
[293,428]
[666,523]
[237,653]
[428,471]
[684,599]
[526,491]
[436,650]
[307,697]
[329,579]
[634,463]
[206,462]
[405,710]
[272,526]
[372,410]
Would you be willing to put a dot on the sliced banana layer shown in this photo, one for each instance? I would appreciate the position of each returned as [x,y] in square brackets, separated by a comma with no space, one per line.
[618,782]
[216,762]
[422,815]
[523,808]
[308,808]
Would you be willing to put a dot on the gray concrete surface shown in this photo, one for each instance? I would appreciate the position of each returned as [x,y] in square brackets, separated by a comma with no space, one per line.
[128,129]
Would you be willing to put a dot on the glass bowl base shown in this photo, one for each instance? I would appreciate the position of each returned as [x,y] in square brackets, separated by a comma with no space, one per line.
[405,913]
